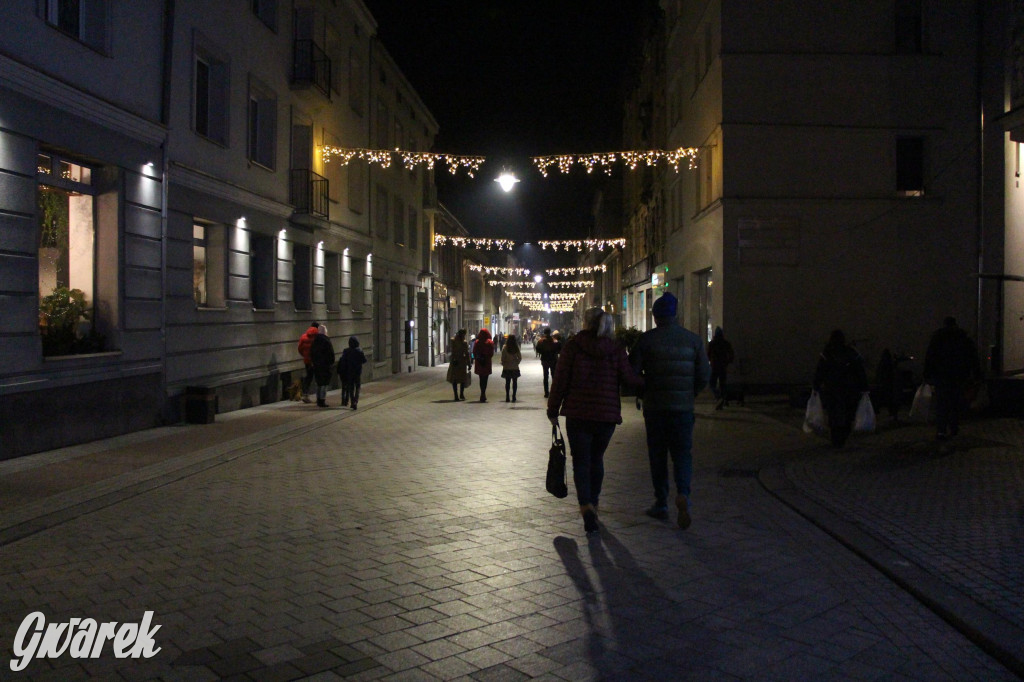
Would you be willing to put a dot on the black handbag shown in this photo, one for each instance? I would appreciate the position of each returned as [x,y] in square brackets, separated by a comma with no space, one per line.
[555,482]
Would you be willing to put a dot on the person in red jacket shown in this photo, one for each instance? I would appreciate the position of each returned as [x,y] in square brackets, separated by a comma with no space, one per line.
[305,345]
[483,351]
[585,391]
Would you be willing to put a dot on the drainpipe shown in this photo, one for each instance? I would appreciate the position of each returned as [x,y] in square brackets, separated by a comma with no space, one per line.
[165,117]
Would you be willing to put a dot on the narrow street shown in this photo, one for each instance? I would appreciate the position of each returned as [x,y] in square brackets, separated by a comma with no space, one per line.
[412,539]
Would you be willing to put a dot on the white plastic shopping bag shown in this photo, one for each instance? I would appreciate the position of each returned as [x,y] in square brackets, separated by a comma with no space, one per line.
[814,418]
[864,421]
[921,409]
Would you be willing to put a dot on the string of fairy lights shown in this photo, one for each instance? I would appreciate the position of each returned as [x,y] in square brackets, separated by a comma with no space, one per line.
[606,161]
[586,269]
[554,245]
[487,270]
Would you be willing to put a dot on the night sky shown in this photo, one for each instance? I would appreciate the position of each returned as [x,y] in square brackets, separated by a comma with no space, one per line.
[510,80]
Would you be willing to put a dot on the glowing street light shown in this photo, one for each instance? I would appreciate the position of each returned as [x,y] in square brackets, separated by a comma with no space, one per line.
[507,180]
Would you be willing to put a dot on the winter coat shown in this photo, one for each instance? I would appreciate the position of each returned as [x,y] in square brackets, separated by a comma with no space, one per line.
[548,348]
[350,366]
[305,343]
[587,379]
[840,377]
[952,358]
[458,364]
[674,365]
[321,352]
[483,351]
[720,353]
[510,359]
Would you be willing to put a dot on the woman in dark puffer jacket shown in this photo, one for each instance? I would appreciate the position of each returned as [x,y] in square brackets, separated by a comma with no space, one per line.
[585,391]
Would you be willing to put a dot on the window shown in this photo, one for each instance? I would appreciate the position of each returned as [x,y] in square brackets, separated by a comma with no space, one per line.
[262,278]
[909,27]
[910,166]
[413,224]
[262,125]
[399,223]
[67,277]
[210,97]
[356,187]
[208,258]
[383,123]
[380,226]
[332,281]
[84,20]
[302,277]
[356,82]
[266,11]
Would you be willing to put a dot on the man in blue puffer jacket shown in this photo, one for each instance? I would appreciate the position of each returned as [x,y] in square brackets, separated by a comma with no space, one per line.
[675,368]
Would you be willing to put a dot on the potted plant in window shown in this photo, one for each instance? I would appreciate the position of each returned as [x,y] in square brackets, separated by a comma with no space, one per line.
[59,315]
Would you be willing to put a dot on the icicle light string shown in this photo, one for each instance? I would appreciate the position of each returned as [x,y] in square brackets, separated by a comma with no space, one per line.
[583,244]
[556,245]
[606,161]
[499,271]
[556,272]
[473,243]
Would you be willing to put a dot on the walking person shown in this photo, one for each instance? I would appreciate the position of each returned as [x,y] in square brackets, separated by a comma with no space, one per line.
[675,369]
[585,390]
[511,356]
[350,372]
[840,379]
[483,352]
[720,355]
[321,352]
[305,343]
[950,364]
[548,348]
[458,365]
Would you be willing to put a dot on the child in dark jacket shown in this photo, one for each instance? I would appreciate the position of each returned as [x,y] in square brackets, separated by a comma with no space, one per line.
[350,371]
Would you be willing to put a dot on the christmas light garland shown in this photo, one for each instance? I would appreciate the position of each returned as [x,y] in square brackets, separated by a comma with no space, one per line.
[606,160]
[473,242]
[511,283]
[555,272]
[500,271]
[568,285]
[580,244]
[537,296]
[384,158]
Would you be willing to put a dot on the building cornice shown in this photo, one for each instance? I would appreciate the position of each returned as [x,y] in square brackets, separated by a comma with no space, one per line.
[37,85]
[200,181]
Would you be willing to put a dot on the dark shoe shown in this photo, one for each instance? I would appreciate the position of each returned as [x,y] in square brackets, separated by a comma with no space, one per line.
[656,512]
[513,398]
[589,518]
[462,396]
[545,395]
[353,406]
[682,504]
[321,403]
[507,400]
[344,403]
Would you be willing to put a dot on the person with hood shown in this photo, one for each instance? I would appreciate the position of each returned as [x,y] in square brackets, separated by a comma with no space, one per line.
[585,391]
[675,368]
[305,343]
[321,352]
[840,379]
[548,349]
[511,356]
[720,355]
[458,365]
[483,351]
[950,364]
[350,372]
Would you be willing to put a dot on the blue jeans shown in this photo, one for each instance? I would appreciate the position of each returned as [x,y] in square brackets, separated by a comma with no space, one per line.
[587,442]
[669,433]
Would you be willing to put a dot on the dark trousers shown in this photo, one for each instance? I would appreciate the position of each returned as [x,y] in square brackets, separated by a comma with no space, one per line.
[718,378]
[512,382]
[669,434]
[587,442]
[483,385]
[350,390]
[947,408]
[307,381]
[549,371]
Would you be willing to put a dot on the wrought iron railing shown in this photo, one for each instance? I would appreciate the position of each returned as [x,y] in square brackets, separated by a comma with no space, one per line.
[309,193]
[312,66]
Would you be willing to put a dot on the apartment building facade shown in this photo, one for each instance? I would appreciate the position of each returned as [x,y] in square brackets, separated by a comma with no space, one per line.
[837,180]
[172,161]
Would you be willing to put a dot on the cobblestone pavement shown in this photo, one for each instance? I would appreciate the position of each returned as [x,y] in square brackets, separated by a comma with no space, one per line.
[412,540]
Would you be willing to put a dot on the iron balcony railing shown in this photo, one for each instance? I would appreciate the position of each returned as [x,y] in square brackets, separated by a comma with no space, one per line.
[309,193]
[312,66]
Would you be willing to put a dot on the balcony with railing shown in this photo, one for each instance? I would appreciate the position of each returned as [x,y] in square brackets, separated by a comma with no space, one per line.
[312,67]
[308,191]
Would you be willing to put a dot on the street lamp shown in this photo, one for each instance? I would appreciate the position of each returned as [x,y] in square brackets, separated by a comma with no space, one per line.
[507,180]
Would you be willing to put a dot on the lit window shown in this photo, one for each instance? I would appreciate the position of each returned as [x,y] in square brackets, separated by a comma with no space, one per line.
[208,265]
